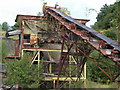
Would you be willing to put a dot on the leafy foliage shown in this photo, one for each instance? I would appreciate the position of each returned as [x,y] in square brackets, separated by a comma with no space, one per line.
[95,74]
[15,26]
[5,26]
[23,72]
[106,15]
[111,34]
[109,19]
[4,51]
[0,27]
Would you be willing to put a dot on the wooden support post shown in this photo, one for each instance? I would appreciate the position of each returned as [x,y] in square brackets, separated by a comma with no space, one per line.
[54,84]
[22,53]
[50,67]
[85,75]
[34,58]
[38,62]
[22,34]
[84,83]
[85,71]
[70,59]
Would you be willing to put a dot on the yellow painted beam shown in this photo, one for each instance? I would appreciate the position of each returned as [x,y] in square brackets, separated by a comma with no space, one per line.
[61,78]
[50,68]
[42,49]
[35,58]
[52,61]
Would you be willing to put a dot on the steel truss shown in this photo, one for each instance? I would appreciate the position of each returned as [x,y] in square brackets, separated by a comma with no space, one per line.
[84,42]
[77,43]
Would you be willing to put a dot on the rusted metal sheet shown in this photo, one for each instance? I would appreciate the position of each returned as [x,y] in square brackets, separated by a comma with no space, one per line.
[17,48]
[13,32]
[13,57]
[83,21]
[27,17]
[33,38]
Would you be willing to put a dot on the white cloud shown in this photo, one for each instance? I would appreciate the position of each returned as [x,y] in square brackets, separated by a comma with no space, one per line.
[10,8]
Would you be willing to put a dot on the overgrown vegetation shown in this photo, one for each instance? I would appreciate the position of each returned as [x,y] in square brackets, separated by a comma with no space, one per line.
[95,74]
[91,84]
[23,73]
[0,27]
[108,21]
[5,26]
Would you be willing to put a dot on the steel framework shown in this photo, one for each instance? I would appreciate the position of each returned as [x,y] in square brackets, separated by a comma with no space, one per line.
[75,40]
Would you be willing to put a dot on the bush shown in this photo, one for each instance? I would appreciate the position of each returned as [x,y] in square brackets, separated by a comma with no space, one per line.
[23,72]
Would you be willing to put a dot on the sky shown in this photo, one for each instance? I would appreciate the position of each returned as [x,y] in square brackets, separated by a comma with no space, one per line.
[78,8]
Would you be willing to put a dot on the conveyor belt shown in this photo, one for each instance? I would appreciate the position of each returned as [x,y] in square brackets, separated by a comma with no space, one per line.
[93,37]
[100,36]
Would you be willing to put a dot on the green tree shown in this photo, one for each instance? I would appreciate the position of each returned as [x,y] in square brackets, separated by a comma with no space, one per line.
[23,72]
[95,74]
[15,26]
[117,22]
[107,13]
[0,27]
[5,26]
[110,33]
[109,19]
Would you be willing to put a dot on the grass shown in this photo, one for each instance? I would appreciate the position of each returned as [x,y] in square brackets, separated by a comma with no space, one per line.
[90,84]
[2,34]
[14,37]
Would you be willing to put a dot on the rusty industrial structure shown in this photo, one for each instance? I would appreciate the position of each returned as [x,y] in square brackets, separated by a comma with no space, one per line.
[63,44]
